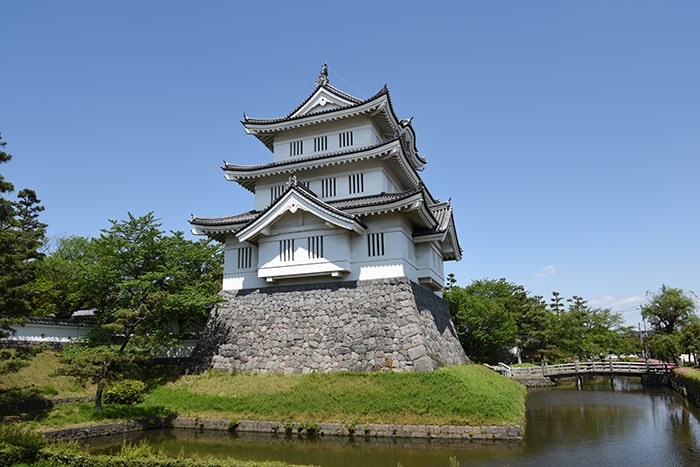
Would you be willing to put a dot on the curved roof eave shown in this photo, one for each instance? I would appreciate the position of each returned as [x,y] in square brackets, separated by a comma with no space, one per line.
[247,176]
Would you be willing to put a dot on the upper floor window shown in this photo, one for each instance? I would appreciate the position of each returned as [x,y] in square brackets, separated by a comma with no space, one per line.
[356,183]
[315,246]
[296,148]
[245,257]
[275,192]
[287,250]
[328,186]
[345,139]
[320,143]
[375,244]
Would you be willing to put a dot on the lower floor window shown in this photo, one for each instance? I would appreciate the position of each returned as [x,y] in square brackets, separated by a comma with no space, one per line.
[375,244]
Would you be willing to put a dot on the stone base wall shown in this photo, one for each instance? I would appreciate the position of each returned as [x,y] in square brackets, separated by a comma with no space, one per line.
[454,432]
[391,324]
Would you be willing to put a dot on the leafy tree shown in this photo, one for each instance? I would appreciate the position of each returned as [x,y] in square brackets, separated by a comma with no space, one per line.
[668,309]
[61,278]
[21,237]
[690,339]
[149,288]
[666,347]
[484,314]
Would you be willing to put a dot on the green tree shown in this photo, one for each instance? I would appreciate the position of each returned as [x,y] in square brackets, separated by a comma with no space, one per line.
[149,289]
[484,314]
[60,284]
[690,339]
[21,238]
[669,309]
[666,347]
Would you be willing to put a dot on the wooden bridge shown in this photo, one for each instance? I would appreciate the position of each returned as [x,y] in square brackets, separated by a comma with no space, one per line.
[579,369]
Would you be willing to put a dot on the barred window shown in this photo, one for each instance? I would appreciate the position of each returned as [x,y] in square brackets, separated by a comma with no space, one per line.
[320,143]
[287,250]
[328,186]
[375,244]
[345,139]
[315,246]
[296,148]
[275,192]
[356,183]
[245,258]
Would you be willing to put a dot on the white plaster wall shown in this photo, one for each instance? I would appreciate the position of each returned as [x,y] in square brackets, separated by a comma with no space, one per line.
[375,181]
[364,134]
[39,332]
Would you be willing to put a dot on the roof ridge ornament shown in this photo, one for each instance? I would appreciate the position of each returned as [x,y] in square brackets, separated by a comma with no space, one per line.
[323,76]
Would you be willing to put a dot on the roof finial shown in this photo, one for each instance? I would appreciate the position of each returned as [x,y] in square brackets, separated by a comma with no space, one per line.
[323,76]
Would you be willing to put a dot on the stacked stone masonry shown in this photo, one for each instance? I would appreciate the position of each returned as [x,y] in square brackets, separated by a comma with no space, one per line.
[461,432]
[378,325]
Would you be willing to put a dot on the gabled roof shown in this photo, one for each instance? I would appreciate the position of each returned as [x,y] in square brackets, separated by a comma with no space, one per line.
[434,220]
[328,103]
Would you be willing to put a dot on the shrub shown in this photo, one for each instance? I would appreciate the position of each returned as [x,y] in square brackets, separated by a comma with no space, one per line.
[126,392]
[19,442]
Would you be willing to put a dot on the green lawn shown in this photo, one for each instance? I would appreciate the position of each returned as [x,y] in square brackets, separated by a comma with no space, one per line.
[464,395]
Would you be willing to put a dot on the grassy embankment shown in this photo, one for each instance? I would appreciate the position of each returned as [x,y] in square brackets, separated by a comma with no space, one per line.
[465,395]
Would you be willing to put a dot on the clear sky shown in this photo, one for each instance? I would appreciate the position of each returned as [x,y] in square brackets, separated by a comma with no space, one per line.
[566,133]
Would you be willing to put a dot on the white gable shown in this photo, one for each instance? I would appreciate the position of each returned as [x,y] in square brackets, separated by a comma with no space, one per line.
[292,202]
[321,101]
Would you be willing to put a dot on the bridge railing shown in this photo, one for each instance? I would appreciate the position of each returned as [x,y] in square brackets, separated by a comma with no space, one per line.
[587,367]
[616,367]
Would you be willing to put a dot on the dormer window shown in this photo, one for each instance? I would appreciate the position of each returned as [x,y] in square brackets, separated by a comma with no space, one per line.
[320,143]
[345,139]
[296,148]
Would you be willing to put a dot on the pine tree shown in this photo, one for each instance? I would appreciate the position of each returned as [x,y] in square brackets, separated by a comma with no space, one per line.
[21,237]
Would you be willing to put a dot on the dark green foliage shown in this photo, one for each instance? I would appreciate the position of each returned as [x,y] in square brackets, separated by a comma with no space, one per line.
[126,392]
[484,316]
[21,237]
[19,444]
[669,309]
[134,455]
[493,316]
[13,360]
[148,289]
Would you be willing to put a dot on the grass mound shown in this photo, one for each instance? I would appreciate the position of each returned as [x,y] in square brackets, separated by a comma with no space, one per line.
[464,395]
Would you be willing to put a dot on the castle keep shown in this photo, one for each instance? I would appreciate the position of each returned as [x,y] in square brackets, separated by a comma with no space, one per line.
[339,265]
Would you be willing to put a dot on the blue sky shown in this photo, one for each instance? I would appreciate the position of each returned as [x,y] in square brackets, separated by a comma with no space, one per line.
[566,133]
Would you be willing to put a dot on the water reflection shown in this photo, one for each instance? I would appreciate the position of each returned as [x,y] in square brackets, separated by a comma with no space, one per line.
[601,424]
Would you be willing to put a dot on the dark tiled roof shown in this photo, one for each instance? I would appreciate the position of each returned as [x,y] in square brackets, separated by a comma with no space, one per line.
[242,218]
[329,88]
[338,206]
[296,160]
[373,200]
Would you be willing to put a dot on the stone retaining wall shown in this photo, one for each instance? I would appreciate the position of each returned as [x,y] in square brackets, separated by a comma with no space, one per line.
[678,383]
[391,324]
[506,433]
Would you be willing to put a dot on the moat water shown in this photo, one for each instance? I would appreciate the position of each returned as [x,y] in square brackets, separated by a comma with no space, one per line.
[602,424]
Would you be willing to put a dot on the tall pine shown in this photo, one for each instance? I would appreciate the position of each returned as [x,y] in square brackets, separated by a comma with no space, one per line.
[21,238]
